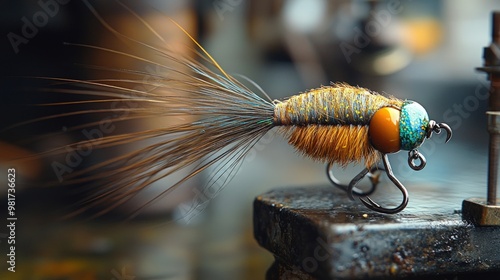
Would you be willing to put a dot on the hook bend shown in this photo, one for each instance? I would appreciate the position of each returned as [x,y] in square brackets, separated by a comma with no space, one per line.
[351,189]
[369,203]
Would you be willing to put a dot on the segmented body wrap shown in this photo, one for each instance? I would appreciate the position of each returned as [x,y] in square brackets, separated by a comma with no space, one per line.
[331,123]
[332,105]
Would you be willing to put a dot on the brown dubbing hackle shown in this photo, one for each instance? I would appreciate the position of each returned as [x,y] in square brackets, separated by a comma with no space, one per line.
[331,123]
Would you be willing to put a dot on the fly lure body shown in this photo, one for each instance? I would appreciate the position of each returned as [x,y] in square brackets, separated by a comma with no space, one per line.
[331,123]
[336,124]
[343,124]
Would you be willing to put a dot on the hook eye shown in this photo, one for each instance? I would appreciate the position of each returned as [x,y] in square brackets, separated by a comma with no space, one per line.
[414,155]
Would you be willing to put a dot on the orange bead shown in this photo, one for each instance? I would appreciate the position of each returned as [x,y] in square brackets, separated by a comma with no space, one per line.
[384,130]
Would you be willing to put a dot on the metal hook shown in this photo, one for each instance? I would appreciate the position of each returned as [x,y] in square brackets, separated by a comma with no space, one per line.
[369,203]
[414,155]
[436,127]
[351,189]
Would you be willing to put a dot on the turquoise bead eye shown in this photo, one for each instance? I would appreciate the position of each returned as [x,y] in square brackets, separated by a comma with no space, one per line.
[413,125]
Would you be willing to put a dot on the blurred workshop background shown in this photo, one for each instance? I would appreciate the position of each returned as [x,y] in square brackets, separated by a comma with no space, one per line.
[421,50]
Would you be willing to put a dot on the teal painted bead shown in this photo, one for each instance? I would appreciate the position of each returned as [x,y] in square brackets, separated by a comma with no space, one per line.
[413,125]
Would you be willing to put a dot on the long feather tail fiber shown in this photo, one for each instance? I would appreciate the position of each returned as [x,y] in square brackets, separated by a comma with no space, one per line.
[208,119]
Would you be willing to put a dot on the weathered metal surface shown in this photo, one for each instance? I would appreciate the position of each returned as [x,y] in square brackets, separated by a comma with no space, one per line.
[478,212]
[317,232]
[486,212]
[492,60]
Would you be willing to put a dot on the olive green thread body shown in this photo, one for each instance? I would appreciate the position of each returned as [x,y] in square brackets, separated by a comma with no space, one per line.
[338,104]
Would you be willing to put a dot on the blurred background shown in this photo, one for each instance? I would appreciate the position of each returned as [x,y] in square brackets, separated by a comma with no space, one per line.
[421,50]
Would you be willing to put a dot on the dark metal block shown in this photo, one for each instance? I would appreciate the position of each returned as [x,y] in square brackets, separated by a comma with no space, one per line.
[317,233]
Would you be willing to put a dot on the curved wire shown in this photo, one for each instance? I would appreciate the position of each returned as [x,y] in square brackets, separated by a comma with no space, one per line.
[436,128]
[351,189]
[369,203]
[414,155]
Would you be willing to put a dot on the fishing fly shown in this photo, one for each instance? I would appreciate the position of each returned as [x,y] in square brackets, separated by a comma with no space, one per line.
[336,124]
[341,124]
